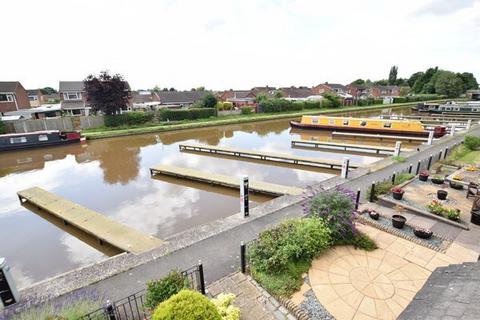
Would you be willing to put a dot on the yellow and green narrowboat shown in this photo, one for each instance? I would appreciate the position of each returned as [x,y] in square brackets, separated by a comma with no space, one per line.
[367,125]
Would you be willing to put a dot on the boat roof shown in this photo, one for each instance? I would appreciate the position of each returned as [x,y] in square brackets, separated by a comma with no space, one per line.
[363,119]
[28,133]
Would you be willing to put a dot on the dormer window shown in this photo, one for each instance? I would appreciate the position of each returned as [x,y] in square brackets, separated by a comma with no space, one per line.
[72,96]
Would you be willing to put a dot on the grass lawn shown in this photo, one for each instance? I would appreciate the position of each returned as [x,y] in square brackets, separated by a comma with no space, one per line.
[472,157]
[107,132]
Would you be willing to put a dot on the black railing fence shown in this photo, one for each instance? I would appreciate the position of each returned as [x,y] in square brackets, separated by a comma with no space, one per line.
[132,307]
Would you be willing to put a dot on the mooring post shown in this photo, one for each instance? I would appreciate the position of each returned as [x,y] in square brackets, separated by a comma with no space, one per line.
[469,124]
[201,276]
[345,165]
[440,155]
[372,192]
[418,167]
[430,138]
[410,168]
[393,177]
[398,146]
[109,310]
[357,200]
[446,153]
[243,262]
[452,130]
[429,162]
[244,204]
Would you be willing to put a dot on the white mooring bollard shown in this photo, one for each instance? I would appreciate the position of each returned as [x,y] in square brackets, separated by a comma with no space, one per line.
[345,165]
[244,204]
[452,130]
[430,138]
[469,124]
[398,147]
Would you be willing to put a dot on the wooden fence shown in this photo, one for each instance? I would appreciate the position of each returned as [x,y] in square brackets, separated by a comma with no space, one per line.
[59,123]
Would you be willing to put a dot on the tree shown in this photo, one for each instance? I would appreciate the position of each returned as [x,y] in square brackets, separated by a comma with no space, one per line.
[404,90]
[448,83]
[106,93]
[469,81]
[278,94]
[413,78]
[172,89]
[208,101]
[382,82]
[165,89]
[156,89]
[424,84]
[202,88]
[358,82]
[392,76]
[48,90]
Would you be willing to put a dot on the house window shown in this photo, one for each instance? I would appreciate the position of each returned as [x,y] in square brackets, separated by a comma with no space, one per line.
[32,98]
[387,125]
[6,97]
[18,140]
[345,122]
[43,137]
[363,123]
[71,96]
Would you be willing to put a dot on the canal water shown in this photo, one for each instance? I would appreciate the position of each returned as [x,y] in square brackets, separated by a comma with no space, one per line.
[111,176]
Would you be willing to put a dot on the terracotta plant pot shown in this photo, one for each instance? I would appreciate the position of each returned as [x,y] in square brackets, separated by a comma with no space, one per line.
[397,195]
[442,195]
[398,221]
[423,177]
[374,215]
[423,234]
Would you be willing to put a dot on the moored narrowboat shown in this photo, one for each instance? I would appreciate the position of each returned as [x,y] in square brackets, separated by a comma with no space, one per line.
[367,125]
[470,107]
[37,139]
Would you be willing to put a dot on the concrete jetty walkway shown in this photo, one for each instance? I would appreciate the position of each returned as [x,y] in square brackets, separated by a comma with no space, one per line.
[217,244]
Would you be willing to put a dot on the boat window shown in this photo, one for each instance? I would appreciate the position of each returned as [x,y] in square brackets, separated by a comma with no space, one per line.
[345,122]
[43,137]
[363,123]
[18,140]
[387,125]
[314,120]
[331,121]
[448,109]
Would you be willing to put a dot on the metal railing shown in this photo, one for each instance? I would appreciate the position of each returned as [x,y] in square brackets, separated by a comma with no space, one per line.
[132,307]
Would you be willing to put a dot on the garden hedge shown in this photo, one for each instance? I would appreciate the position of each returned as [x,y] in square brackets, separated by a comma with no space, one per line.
[128,118]
[186,114]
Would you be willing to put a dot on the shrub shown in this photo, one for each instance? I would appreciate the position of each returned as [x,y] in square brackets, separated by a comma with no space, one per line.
[309,104]
[247,110]
[223,303]
[335,101]
[453,214]
[337,209]
[279,105]
[360,241]
[128,118]
[187,114]
[402,177]
[380,188]
[326,103]
[472,142]
[292,240]
[160,290]
[3,128]
[187,305]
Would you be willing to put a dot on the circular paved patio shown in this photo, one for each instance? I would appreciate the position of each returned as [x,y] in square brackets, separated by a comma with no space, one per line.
[354,284]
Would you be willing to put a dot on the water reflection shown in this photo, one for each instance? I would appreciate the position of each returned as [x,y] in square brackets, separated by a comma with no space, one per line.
[111,176]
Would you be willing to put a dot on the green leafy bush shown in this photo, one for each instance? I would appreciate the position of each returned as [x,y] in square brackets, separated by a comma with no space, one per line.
[187,114]
[418,97]
[128,118]
[380,188]
[162,289]
[403,177]
[310,104]
[279,105]
[336,208]
[292,240]
[187,305]
[3,128]
[335,100]
[224,105]
[472,142]
[247,110]
[359,241]
[223,303]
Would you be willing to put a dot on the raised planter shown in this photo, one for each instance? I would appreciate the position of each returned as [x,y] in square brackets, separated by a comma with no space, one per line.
[442,195]
[423,233]
[397,195]
[423,177]
[456,186]
[437,180]
[398,221]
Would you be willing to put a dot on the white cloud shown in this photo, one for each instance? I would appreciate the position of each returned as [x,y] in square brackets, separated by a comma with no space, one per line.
[225,44]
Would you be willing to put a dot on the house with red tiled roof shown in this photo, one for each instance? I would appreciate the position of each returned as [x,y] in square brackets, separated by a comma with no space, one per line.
[13,96]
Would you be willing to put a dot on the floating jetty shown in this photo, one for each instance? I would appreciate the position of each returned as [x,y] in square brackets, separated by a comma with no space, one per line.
[224,181]
[378,136]
[344,146]
[266,156]
[105,230]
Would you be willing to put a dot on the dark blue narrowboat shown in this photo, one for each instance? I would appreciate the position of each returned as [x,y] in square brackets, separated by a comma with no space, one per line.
[16,141]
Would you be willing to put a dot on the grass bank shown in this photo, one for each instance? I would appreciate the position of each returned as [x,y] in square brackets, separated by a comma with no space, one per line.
[106,132]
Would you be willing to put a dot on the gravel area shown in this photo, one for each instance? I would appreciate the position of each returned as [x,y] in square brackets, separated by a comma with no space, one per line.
[313,308]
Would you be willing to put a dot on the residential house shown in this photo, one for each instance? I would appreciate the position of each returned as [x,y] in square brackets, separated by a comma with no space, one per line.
[35,97]
[73,98]
[385,91]
[335,88]
[146,101]
[13,96]
[267,91]
[358,90]
[239,98]
[179,99]
[294,93]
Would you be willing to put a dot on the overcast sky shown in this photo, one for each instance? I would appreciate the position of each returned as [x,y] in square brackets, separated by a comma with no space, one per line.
[235,44]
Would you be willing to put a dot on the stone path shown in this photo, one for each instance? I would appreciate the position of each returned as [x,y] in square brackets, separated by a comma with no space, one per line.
[355,284]
[254,302]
